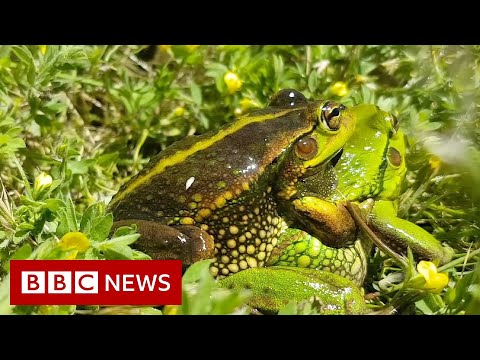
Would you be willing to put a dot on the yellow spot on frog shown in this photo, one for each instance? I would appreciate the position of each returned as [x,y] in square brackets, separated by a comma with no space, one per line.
[314,249]
[74,240]
[300,247]
[221,184]
[231,243]
[242,249]
[214,270]
[252,262]
[228,195]
[204,213]
[243,264]
[303,261]
[328,253]
[197,197]
[261,255]
[233,268]
[245,186]
[251,249]
[233,230]
[220,202]
[187,221]
[192,205]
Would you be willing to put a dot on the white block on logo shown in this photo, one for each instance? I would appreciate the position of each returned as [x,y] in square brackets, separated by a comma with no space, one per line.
[59,282]
[86,282]
[33,282]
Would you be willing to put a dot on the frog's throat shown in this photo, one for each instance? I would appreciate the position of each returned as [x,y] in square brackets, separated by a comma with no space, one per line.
[199,146]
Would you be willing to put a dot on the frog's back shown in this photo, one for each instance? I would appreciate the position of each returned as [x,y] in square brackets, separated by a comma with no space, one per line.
[199,174]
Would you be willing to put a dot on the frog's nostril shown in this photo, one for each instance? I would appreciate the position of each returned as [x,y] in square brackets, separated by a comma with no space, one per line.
[337,157]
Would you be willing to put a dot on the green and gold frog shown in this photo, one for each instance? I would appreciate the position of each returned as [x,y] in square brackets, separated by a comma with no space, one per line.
[224,194]
[369,175]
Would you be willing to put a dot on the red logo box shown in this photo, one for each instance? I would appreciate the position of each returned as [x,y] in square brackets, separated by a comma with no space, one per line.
[96,282]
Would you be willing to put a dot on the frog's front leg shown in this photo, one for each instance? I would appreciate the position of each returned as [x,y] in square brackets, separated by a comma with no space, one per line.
[326,220]
[398,234]
[180,242]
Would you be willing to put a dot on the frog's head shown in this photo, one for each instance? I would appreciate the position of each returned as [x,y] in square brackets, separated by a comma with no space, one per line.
[373,162]
[316,152]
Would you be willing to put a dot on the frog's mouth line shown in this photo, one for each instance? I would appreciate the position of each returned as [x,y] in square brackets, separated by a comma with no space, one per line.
[332,162]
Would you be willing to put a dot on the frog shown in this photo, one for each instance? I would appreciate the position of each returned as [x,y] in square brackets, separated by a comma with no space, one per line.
[222,195]
[368,177]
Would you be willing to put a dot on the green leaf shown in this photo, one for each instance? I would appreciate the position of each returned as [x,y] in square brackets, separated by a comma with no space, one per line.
[197,271]
[123,240]
[101,227]
[89,216]
[67,219]
[289,309]
[196,94]
[26,57]
[22,253]
[5,307]
[118,252]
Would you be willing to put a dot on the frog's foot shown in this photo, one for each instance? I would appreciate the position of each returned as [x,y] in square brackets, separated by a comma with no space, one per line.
[180,242]
[272,288]
[394,236]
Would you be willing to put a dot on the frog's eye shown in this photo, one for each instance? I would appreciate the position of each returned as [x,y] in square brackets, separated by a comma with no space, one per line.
[330,117]
[306,148]
[394,157]
[288,98]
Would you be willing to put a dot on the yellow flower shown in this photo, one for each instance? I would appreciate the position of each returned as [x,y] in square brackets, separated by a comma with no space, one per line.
[234,83]
[179,111]
[74,240]
[339,88]
[43,49]
[435,162]
[434,281]
[42,181]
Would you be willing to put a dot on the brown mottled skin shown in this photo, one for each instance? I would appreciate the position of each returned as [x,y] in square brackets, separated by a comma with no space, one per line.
[224,184]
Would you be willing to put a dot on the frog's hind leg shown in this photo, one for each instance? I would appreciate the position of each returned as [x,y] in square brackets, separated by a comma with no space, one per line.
[163,242]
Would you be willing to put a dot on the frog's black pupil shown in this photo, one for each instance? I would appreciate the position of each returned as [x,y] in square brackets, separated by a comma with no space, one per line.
[288,98]
[335,112]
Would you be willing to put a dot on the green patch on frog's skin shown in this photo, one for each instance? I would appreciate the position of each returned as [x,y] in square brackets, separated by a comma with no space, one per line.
[226,184]
[274,287]
[370,173]
[299,249]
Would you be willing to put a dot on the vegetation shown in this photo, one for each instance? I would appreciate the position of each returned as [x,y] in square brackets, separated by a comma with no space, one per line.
[78,121]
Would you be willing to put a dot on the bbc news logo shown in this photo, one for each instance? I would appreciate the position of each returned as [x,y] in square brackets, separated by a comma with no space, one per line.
[95,282]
